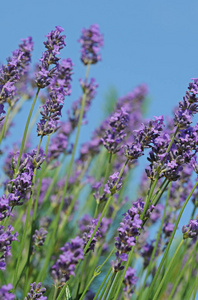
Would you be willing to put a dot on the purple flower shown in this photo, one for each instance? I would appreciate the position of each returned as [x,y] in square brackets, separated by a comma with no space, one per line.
[5,209]
[36,292]
[144,137]
[91,41]
[11,73]
[187,108]
[4,292]
[111,187]
[190,230]
[130,281]
[65,265]
[59,87]
[20,186]
[87,226]
[39,237]
[6,238]
[115,135]
[55,42]
[168,229]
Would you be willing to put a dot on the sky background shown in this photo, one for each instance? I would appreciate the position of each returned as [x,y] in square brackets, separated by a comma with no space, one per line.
[153,42]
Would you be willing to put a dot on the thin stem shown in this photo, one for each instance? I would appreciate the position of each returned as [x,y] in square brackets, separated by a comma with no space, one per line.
[167,270]
[102,284]
[183,271]
[149,197]
[97,272]
[4,124]
[156,244]
[170,241]
[25,131]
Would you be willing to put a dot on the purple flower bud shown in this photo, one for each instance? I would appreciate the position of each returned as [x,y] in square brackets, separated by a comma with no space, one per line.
[130,281]
[91,41]
[6,238]
[65,265]
[36,292]
[4,292]
[190,230]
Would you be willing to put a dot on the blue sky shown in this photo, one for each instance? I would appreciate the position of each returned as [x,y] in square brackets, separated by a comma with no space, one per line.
[153,42]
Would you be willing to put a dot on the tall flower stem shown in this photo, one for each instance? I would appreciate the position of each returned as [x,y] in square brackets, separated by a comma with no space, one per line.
[96,273]
[103,283]
[25,131]
[55,224]
[156,244]
[170,241]
[108,169]
[4,124]
[167,270]
[183,271]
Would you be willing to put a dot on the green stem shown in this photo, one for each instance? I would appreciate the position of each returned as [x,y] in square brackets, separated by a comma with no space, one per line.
[108,169]
[167,270]
[4,124]
[102,284]
[25,132]
[147,202]
[183,271]
[96,273]
[156,244]
[170,241]
[110,283]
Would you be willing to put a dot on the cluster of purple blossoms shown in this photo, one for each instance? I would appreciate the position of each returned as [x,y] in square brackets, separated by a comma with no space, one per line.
[168,229]
[189,107]
[55,42]
[147,251]
[128,231]
[130,281]
[91,41]
[11,73]
[144,137]
[190,230]
[112,186]
[36,292]
[39,237]
[6,238]
[59,87]
[182,152]
[65,265]
[4,292]
[115,135]
[20,187]
[87,226]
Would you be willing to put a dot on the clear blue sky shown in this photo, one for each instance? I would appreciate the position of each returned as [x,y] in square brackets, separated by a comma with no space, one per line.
[155,42]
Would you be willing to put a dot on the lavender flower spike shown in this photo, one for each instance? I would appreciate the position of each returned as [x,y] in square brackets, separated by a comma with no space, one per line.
[91,41]
[36,292]
[4,292]
[190,230]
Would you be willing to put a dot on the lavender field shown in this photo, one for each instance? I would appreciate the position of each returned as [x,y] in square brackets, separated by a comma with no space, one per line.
[70,227]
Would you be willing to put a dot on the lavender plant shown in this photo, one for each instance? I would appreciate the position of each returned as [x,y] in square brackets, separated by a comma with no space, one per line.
[69,227]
